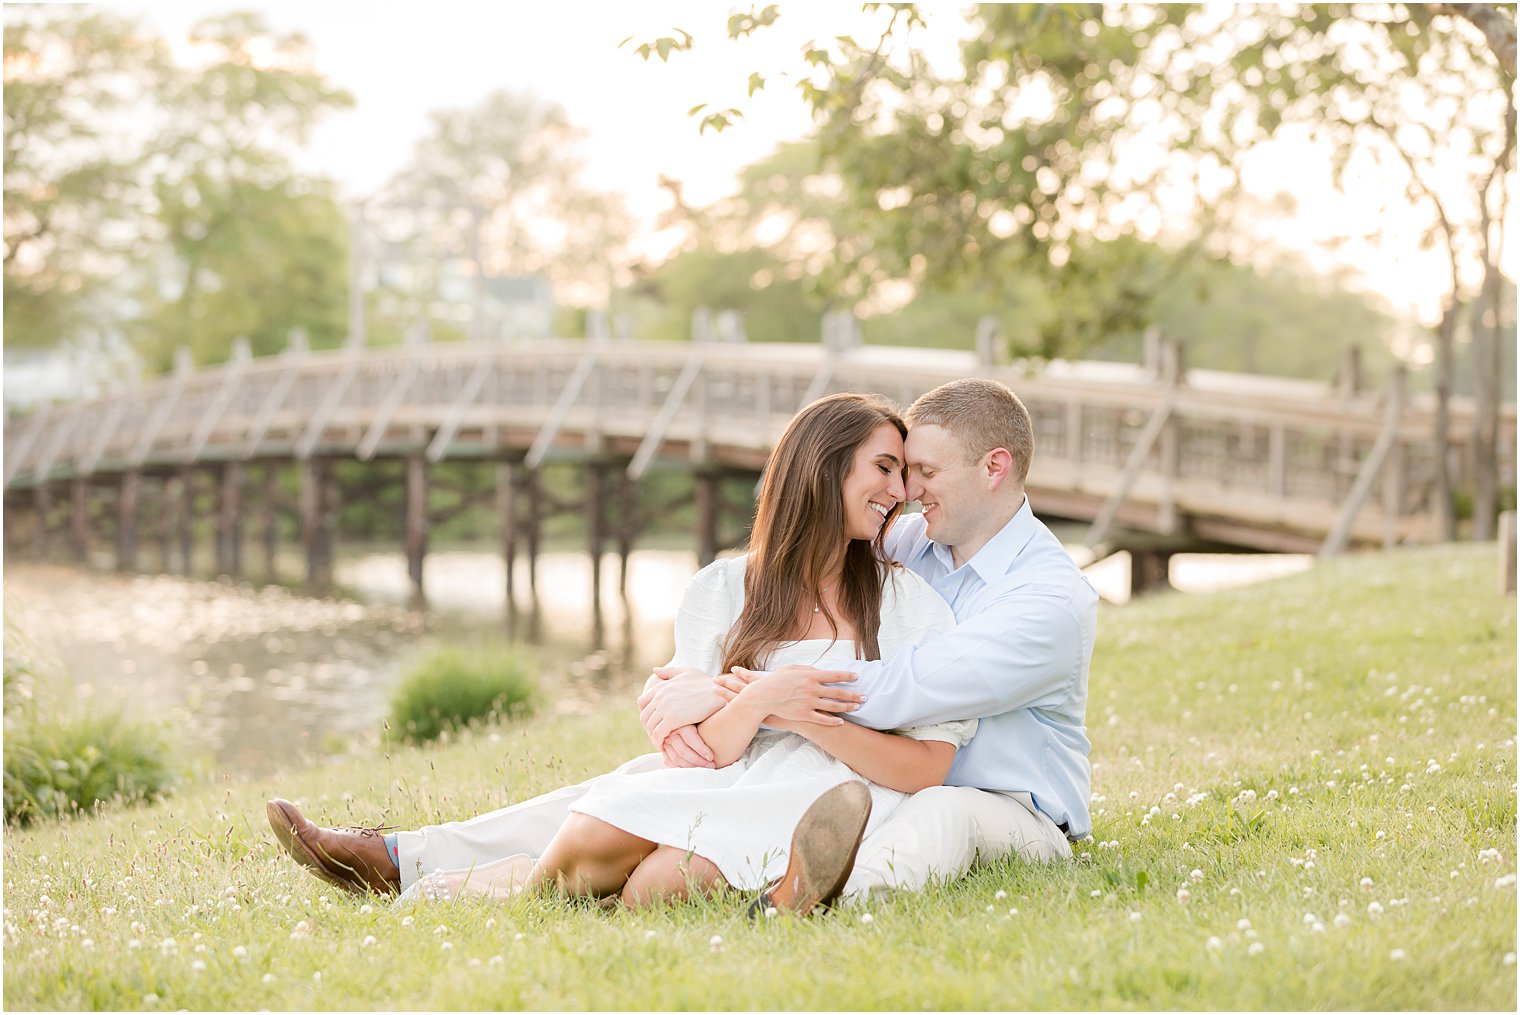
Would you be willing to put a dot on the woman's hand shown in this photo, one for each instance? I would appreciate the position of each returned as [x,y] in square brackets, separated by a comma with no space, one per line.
[794,693]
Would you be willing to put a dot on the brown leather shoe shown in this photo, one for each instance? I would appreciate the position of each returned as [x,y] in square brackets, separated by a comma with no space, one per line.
[355,860]
[822,853]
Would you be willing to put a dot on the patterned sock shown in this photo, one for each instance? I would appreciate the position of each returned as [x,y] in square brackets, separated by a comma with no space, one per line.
[393,849]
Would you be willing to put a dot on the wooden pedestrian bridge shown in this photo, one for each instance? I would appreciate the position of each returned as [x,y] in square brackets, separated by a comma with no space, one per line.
[1155,459]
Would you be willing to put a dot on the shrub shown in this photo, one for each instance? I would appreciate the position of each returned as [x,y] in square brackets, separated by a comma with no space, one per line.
[69,764]
[454,686]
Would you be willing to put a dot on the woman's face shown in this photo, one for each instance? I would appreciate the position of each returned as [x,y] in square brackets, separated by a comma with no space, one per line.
[874,485]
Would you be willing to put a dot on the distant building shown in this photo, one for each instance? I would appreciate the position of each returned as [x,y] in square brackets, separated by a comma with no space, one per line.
[34,377]
[512,308]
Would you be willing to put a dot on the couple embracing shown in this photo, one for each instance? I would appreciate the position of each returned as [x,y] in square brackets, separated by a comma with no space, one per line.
[861,702]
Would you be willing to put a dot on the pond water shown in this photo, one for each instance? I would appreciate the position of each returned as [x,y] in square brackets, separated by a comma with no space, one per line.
[257,679]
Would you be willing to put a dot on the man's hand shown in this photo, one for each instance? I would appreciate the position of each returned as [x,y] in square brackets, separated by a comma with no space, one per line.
[675,697]
[796,693]
[685,748]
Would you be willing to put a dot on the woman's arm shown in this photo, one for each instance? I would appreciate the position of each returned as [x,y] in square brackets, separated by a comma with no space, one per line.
[888,759]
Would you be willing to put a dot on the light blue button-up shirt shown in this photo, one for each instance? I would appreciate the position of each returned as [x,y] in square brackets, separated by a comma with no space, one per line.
[1017,660]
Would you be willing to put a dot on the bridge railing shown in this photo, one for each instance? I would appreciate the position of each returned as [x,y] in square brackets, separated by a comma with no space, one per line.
[1268,453]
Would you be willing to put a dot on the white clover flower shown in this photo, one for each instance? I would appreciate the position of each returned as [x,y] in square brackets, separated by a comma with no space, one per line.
[1213,944]
[497,960]
[369,939]
[445,946]
[1506,881]
[198,966]
[1366,884]
[1509,958]
[715,943]
[1342,921]
[1184,896]
[268,978]
[866,918]
[366,909]
[1000,895]
[406,921]
[1196,875]
[1242,924]
[1398,955]
[1256,948]
[1374,909]
[1134,916]
[239,952]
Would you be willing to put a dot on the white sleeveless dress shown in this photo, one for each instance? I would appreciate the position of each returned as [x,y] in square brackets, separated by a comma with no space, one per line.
[741,816]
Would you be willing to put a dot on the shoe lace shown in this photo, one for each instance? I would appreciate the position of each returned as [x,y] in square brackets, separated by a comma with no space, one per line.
[370,830]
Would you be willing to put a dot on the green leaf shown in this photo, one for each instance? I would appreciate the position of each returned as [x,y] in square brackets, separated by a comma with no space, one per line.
[756,82]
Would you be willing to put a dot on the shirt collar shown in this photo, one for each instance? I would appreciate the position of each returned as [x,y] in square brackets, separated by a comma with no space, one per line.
[996,556]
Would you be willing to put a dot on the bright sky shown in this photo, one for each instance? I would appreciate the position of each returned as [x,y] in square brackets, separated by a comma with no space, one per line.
[402,60]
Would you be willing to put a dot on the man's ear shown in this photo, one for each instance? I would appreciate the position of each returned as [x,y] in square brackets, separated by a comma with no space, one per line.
[997,466]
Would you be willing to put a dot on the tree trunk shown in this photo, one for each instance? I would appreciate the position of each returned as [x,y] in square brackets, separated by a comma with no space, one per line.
[1445,356]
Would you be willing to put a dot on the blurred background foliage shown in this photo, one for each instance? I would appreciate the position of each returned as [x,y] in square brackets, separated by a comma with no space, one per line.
[925,199]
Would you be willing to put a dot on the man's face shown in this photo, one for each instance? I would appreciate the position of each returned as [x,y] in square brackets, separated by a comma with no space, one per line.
[952,490]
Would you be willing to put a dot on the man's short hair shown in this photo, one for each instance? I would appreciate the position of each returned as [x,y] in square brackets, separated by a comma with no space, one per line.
[982,414]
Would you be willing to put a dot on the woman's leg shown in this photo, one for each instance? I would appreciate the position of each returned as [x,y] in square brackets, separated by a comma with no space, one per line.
[670,874]
[587,856]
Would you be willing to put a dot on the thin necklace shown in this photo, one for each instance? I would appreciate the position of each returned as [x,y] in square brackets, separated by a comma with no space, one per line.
[818,603]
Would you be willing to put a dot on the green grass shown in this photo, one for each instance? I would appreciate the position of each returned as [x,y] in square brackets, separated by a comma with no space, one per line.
[1369,706]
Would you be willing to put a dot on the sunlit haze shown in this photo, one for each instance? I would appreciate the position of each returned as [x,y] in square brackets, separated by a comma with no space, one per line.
[402,61]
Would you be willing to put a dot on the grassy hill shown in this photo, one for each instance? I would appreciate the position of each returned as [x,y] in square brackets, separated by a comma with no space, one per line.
[1304,797]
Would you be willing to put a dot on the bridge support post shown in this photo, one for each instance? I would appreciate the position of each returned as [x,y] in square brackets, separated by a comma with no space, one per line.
[596,537]
[229,521]
[184,518]
[535,529]
[627,524]
[709,502]
[506,510]
[269,517]
[319,517]
[42,502]
[79,519]
[126,520]
[416,524]
[1148,571]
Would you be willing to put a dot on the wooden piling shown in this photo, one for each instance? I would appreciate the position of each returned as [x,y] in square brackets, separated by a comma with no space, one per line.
[319,516]
[506,511]
[627,524]
[416,524]
[596,537]
[184,519]
[708,493]
[126,520]
[229,521]
[79,518]
[42,501]
[269,521]
[534,483]
[1149,571]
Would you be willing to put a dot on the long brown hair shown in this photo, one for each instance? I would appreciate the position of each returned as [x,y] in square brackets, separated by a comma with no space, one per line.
[799,526]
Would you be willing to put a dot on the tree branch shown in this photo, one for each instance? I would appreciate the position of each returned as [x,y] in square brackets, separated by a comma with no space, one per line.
[1496,22]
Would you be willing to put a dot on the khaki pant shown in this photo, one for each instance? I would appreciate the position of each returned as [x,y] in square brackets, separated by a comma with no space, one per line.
[936,834]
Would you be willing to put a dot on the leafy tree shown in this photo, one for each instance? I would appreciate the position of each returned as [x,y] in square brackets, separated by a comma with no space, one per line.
[497,184]
[252,248]
[1016,163]
[71,184]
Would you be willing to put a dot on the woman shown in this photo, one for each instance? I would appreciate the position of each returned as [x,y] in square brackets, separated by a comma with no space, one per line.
[812,589]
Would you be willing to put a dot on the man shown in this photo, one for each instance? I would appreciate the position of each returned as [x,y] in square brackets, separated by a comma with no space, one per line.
[1018,661]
